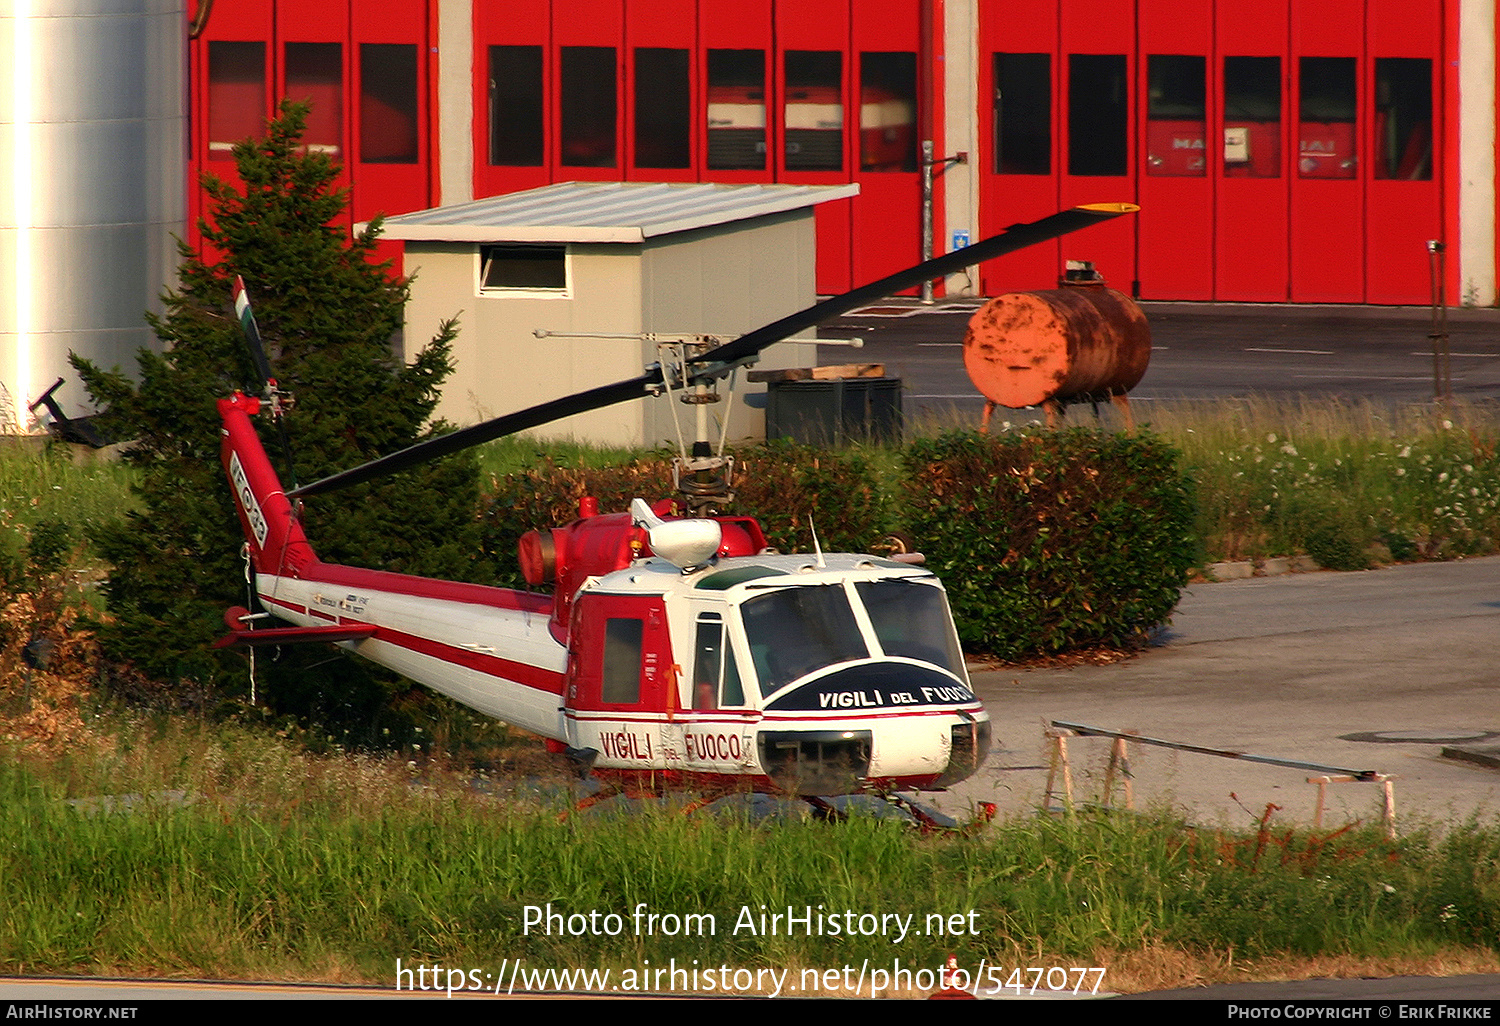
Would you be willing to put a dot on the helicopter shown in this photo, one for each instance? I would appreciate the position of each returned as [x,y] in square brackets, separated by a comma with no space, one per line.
[676,650]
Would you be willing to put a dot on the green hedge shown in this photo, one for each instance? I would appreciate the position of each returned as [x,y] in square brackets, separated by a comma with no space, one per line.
[1052,541]
[779,484]
[1046,541]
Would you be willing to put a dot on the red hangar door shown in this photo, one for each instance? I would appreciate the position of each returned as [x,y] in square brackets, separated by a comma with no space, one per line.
[712,91]
[1291,151]
[1058,128]
[363,66]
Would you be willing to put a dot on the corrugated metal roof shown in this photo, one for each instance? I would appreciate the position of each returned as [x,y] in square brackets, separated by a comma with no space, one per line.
[605,211]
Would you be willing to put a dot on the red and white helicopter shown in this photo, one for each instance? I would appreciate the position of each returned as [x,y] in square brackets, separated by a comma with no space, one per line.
[674,651]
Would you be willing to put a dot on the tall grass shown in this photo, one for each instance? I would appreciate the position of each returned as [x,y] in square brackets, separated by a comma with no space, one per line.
[1344,481]
[175,849]
[46,483]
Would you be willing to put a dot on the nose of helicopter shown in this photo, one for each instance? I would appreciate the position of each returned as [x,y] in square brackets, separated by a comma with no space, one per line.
[928,753]
[883,725]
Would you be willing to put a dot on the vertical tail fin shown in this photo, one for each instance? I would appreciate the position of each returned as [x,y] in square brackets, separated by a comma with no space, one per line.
[277,542]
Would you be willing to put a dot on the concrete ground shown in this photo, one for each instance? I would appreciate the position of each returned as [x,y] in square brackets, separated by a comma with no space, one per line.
[1364,671]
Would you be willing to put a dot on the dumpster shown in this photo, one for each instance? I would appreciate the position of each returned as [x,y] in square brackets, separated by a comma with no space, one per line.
[834,412]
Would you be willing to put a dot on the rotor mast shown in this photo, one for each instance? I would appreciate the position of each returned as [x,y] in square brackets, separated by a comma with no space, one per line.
[701,474]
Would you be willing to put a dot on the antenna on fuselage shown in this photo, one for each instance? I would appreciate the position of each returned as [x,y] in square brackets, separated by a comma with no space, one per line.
[817,548]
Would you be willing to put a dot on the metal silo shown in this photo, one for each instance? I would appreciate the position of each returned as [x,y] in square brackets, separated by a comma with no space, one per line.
[93,179]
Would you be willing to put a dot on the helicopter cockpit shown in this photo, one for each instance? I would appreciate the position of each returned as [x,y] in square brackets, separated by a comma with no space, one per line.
[776,628]
[794,631]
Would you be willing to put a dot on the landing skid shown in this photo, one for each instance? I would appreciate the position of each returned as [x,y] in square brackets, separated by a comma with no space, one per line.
[926,819]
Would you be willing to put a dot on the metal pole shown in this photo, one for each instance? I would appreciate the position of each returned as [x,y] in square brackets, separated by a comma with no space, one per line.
[926,231]
[1442,378]
[1085,730]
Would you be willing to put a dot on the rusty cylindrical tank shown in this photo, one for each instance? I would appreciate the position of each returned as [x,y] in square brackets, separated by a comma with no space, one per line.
[1085,340]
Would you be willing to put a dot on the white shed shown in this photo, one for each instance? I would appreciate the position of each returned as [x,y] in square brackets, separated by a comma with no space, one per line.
[591,260]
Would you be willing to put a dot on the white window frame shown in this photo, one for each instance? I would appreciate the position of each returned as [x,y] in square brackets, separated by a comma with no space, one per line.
[524,292]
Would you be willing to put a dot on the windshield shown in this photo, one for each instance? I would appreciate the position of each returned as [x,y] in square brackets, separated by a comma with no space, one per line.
[911,620]
[793,631]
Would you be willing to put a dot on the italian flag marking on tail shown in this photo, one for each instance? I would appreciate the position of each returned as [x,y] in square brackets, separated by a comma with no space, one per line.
[243,312]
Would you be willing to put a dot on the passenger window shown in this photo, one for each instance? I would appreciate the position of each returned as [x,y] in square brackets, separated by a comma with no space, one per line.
[621,683]
[716,676]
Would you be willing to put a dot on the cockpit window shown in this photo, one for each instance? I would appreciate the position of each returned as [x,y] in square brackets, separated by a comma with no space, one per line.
[911,620]
[716,675]
[793,631]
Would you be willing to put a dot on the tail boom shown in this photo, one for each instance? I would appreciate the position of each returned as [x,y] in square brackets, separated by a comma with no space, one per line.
[276,540]
[490,648]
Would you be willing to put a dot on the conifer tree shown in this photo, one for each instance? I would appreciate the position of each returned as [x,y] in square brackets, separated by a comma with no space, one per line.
[331,317]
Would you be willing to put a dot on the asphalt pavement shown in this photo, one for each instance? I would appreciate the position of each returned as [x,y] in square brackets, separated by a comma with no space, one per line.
[1373,671]
[1377,671]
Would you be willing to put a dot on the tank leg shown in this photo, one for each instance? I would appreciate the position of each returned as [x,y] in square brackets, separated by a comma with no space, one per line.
[1123,402]
[984,421]
[1054,411]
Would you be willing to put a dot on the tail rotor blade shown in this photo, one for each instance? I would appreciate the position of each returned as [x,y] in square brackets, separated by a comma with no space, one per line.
[277,400]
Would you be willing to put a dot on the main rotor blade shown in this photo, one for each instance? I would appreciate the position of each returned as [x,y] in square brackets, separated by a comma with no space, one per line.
[444,445]
[1017,236]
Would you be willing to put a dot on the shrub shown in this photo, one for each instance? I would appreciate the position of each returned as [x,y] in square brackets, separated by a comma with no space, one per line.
[329,316]
[1332,546]
[1052,541]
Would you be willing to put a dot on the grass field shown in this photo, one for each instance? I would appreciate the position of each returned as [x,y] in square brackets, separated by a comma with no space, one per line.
[173,848]
[69,489]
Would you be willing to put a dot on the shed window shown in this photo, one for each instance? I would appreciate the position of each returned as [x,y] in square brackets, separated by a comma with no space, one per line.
[504,267]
